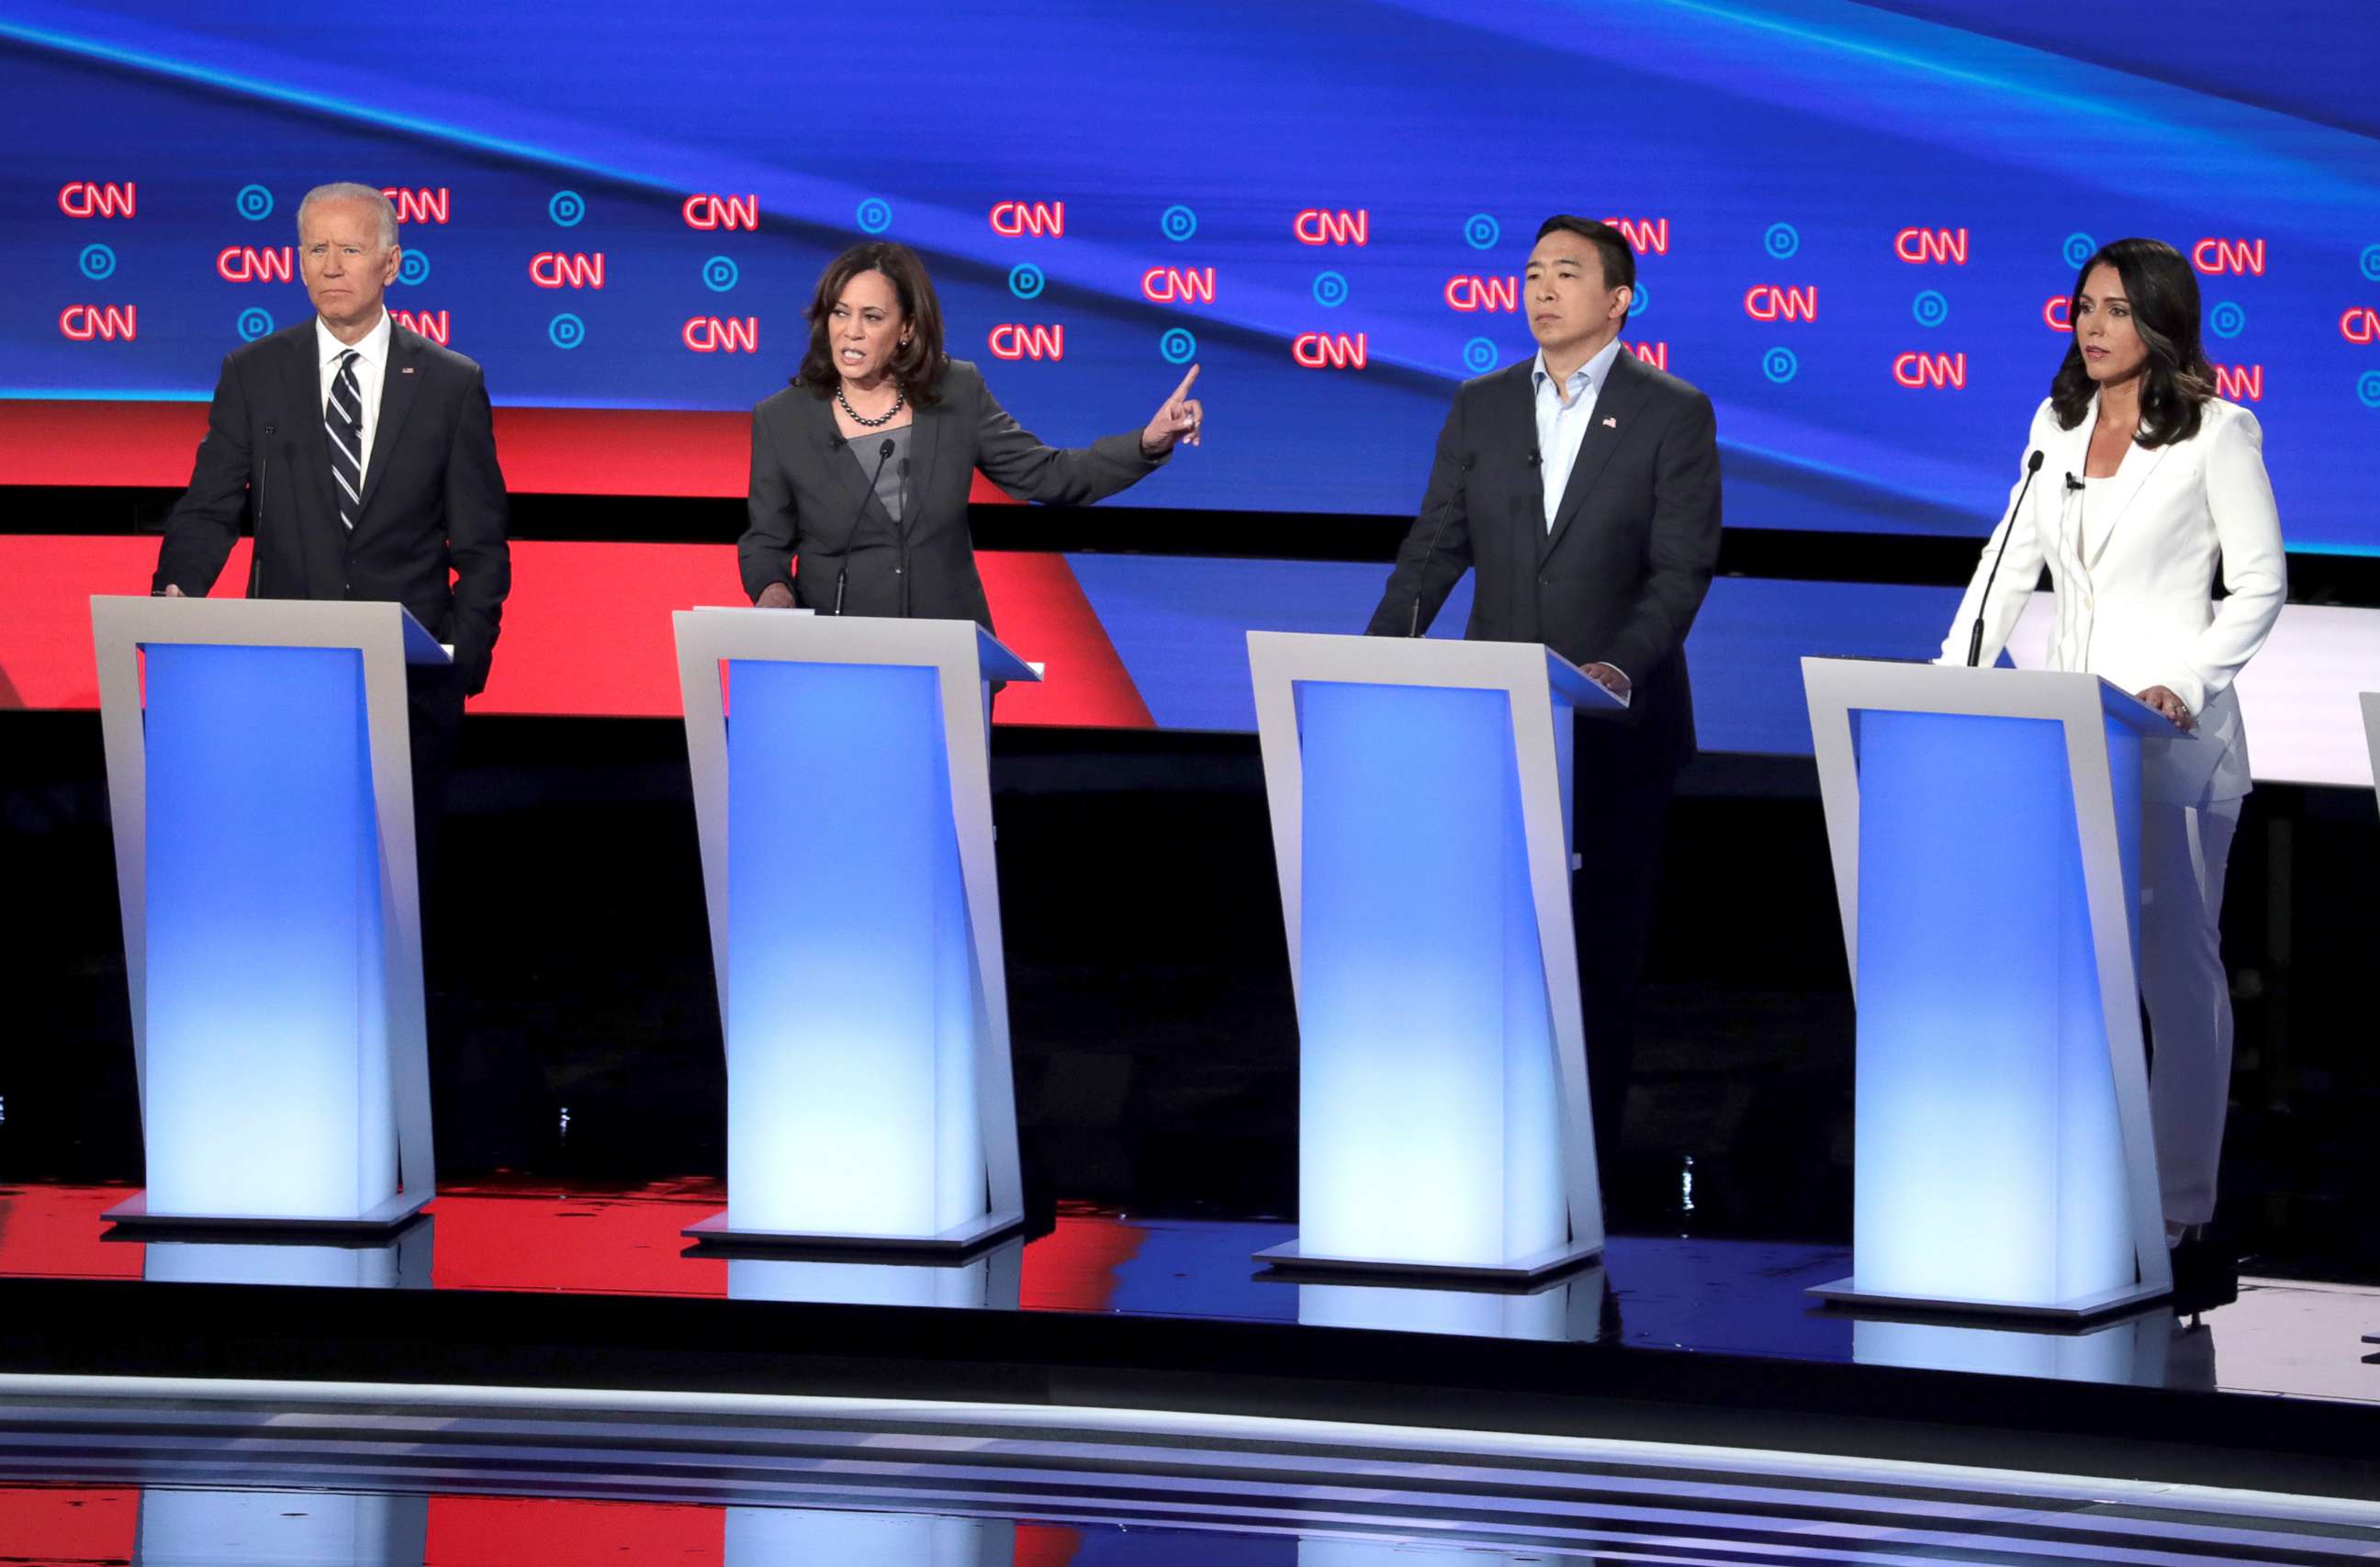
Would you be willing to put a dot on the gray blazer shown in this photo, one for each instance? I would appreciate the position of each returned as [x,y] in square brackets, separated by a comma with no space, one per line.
[810,502]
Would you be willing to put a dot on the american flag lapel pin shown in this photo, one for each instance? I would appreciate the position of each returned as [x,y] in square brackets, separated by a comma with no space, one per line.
[408,370]
[1609,423]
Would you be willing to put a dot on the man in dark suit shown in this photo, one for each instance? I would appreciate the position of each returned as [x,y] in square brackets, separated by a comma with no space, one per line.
[1582,487]
[367,457]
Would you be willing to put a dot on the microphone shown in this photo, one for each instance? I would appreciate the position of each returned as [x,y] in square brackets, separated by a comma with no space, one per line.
[256,532]
[843,571]
[901,528]
[1975,642]
[1445,510]
[1536,459]
[2073,485]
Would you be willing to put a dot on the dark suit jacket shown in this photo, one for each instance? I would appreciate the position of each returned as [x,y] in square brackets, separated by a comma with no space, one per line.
[433,498]
[809,500]
[1619,576]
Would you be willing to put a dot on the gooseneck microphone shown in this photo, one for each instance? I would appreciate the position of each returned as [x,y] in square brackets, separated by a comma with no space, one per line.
[256,530]
[1975,642]
[843,571]
[1445,513]
[902,529]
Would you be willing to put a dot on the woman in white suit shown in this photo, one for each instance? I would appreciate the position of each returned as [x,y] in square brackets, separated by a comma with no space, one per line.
[2150,484]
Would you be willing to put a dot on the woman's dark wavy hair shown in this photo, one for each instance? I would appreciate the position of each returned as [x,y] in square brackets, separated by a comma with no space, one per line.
[918,368]
[2175,380]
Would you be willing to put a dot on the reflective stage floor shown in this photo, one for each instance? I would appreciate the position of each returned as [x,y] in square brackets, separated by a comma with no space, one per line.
[528,1375]
[2300,1339]
[413,1478]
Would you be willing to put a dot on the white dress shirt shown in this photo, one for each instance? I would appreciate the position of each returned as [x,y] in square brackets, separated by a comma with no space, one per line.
[1563,414]
[371,373]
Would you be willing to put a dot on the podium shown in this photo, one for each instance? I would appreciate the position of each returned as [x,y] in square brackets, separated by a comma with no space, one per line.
[262,799]
[843,798]
[2371,703]
[1420,797]
[1985,825]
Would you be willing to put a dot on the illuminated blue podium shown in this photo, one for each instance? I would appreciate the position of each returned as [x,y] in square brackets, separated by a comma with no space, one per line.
[262,797]
[1420,797]
[843,801]
[1984,826]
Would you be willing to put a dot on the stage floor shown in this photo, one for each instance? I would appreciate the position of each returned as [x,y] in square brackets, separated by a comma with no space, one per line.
[1651,1293]
[374,1478]
[531,1375]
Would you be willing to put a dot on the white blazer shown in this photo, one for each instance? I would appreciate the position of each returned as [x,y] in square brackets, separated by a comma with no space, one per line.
[2132,559]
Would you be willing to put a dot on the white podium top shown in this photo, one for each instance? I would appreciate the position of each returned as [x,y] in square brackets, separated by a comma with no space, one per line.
[1427,661]
[733,632]
[262,623]
[1915,686]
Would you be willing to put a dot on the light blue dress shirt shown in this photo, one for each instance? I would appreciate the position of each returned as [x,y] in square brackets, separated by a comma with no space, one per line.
[1562,426]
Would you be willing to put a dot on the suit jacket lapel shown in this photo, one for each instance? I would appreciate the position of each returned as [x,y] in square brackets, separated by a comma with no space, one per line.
[399,379]
[1615,410]
[844,467]
[2110,497]
[2105,499]
[310,448]
[925,445]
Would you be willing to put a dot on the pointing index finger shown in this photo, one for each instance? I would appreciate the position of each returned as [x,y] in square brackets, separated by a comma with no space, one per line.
[1184,390]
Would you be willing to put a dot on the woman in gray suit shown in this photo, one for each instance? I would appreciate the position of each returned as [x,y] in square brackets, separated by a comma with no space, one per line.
[861,468]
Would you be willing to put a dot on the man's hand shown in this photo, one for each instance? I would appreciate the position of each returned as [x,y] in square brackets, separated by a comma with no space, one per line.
[776,596]
[173,592]
[1177,421]
[1612,680]
[2162,699]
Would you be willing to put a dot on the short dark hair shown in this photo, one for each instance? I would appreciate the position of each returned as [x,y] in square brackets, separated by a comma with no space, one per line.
[1619,259]
[2176,380]
[918,366]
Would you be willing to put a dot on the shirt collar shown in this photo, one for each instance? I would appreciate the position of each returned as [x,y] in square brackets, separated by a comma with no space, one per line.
[373,348]
[1591,374]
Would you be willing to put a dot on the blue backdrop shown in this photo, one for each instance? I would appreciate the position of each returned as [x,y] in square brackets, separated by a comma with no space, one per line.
[1854,221]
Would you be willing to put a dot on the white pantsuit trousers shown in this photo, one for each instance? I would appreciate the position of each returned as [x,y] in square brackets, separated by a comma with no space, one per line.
[2183,851]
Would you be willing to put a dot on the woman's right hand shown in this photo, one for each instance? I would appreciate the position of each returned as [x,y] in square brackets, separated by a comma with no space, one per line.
[776,596]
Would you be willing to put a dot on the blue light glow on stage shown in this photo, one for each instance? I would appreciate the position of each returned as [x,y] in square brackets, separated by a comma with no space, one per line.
[267,1091]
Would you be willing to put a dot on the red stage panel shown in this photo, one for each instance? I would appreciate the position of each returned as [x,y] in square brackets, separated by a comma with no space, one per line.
[65,1526]
[630,1244]
[544,451]
[586,631]
[56,1231]
[488,1531]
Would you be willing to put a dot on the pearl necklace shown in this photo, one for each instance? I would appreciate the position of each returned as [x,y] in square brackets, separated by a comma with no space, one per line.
[899,396]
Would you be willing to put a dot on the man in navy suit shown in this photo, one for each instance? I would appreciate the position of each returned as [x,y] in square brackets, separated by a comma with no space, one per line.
[1583,486]
[367,457]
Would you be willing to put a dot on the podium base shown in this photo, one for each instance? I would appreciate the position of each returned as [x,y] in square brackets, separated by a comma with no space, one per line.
[957,1244]
[134,1218]
[2078,1309]
[1290,1259]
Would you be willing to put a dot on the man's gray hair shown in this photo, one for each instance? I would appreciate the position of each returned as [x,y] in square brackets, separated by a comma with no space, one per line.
[349,191]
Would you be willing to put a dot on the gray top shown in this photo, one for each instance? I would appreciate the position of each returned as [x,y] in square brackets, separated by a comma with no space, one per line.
[894,479]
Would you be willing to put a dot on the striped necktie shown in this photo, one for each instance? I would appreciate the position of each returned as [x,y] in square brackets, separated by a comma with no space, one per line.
[343,415]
